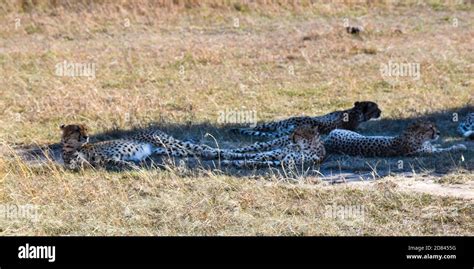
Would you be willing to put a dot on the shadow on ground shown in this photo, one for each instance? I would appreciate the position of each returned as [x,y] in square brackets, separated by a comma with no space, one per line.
[336,168]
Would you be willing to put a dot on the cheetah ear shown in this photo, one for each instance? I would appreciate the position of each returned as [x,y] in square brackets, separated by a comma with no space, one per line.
[83,127]
[61,126]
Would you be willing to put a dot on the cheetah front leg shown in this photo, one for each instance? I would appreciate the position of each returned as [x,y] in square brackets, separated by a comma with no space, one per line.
[250,163]
[79,161]
[211,154]
[458,147]
[270,158]
[429,148]
[263,146]
[272,155]
[289,160]
[179,148]
[186,149]
[123,164]
[298,158]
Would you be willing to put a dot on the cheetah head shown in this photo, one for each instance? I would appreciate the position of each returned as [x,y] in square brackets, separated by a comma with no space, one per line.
[75,134]
[369,110]
[466,127]
[422,130]
[305,133]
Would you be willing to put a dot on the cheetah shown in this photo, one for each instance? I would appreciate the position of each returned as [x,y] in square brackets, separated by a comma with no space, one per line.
[124,153]
[466,127]
[345,119]
[303,146]
[77,152]
[416,139]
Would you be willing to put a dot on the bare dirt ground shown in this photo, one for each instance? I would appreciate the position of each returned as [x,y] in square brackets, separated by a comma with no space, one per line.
[182,67]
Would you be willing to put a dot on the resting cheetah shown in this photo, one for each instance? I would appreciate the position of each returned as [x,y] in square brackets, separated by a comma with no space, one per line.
[303,146]
[345,119]
[77,151]
[466,127]
[415,139]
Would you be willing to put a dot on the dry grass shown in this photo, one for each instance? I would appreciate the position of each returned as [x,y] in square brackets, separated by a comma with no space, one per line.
[168,203]
[181,65]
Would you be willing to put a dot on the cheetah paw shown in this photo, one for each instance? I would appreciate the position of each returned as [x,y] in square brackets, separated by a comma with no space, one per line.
[460,147]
